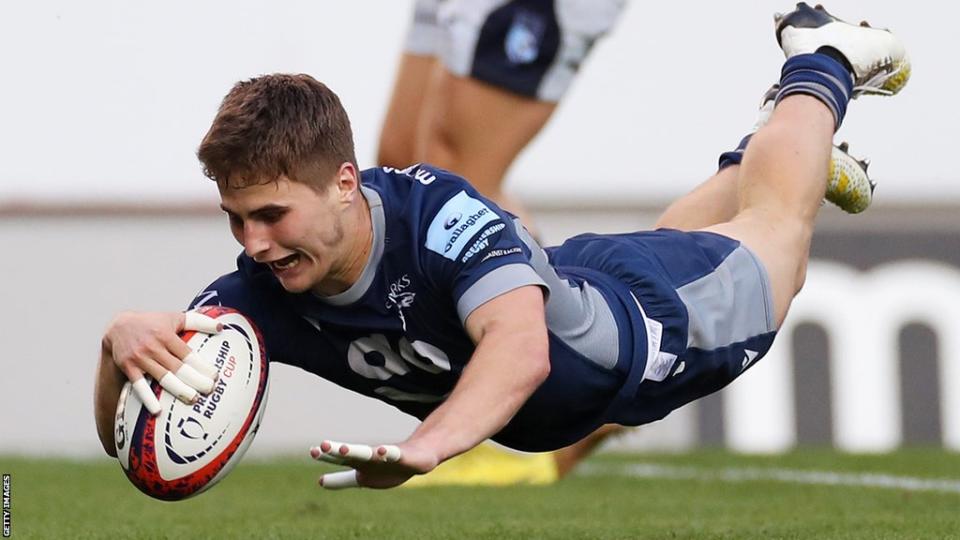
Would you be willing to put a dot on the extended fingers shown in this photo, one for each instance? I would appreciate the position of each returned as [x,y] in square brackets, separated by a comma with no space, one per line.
[329,451]
[340,480]
[341,453]
[389,453]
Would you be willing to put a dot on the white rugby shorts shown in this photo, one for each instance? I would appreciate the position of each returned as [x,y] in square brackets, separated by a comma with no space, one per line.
[529,47]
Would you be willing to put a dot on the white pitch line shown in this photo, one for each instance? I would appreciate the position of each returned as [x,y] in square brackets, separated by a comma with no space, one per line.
[796,476]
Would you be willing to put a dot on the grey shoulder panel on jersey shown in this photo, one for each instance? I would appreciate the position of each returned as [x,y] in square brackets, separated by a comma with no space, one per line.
[729,305]
[501,280]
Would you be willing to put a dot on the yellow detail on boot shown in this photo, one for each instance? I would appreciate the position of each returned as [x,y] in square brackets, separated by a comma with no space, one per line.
[896,83]
[842,182]
[848,185]
[490,465]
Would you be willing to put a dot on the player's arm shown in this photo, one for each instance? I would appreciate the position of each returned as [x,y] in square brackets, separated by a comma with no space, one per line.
[510,362]
[136,345]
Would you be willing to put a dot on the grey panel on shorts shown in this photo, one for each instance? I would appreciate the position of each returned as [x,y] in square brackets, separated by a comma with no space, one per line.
[578,316]
[729,305]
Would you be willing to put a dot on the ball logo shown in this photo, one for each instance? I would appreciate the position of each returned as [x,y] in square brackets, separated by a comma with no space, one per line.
[191,428]
[452,220]
[121,433]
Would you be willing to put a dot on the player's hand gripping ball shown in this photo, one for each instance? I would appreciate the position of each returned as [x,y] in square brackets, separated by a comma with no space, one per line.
[186,449]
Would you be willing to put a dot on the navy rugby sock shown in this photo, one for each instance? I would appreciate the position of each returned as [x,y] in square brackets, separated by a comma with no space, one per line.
[819,75]
[825,75]
[734,157]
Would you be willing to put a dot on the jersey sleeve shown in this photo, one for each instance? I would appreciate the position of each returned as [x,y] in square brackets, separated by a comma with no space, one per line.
[234,290]
[471,246]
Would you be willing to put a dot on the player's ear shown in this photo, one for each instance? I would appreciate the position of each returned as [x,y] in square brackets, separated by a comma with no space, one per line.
[347,181]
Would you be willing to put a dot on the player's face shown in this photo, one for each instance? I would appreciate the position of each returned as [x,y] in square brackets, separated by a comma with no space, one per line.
[296,230]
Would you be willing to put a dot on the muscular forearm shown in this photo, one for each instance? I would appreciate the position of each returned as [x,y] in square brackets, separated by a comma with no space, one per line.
[504,371]
[109,382]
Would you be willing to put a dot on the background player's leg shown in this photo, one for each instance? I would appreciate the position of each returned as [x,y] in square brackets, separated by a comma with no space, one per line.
[476,130]
[397,147]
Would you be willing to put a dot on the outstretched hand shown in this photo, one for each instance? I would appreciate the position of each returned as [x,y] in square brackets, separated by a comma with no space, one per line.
[378,467]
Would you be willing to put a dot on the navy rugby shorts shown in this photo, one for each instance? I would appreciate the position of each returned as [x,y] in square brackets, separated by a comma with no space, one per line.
[703,302]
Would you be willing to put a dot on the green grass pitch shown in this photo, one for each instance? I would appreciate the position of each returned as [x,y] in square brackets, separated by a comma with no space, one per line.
[705,494]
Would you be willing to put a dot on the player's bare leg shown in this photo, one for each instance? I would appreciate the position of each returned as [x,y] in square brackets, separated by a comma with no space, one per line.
[477,130]
[716,201]
[849,187]
[781,177]
[712,202]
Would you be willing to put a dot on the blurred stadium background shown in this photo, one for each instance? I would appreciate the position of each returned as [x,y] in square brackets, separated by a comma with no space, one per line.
[103,206]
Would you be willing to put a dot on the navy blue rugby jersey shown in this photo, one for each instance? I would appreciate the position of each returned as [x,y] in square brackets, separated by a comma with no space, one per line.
[440,250]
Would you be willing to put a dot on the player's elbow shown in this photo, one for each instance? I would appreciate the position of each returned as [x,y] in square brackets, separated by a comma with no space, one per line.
[109,448]
[106,393]
[105,433]
[537,360]
[543,371]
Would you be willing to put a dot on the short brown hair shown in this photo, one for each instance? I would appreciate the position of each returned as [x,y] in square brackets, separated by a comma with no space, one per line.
[273,125]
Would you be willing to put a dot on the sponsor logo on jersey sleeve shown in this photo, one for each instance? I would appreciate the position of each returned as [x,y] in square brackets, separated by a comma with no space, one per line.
[483,241]
[501,253]
[453,227]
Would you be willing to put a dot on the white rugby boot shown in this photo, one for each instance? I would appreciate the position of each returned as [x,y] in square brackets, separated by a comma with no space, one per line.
[848,184]
[876,57]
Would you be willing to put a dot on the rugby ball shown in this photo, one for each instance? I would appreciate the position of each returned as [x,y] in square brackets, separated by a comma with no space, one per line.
[186,449]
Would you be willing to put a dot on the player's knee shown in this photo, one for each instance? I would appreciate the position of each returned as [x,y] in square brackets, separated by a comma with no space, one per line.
[795,238]
[438,149]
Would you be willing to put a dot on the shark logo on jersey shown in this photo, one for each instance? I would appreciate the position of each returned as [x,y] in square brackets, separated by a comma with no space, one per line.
[398,297]
[522,44]
[456,223]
